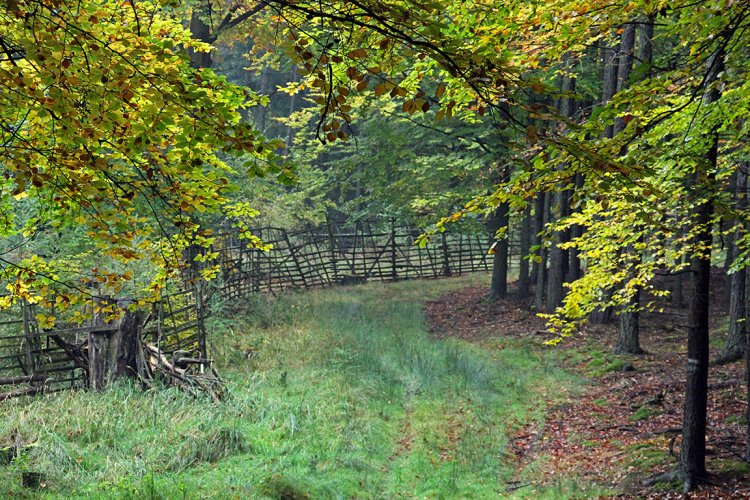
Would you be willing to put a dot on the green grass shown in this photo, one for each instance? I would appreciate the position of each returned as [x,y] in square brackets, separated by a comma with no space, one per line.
[336,393]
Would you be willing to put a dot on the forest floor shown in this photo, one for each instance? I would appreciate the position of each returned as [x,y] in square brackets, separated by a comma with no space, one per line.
[624,427]
[415,389]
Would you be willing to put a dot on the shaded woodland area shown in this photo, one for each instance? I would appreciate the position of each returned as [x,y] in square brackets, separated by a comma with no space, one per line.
[174,169]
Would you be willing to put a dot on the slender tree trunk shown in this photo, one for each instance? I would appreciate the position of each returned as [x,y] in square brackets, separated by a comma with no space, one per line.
[730,252]
[729,242]
[693,450]
[292,108]
[262,111]
[576,231]
[523,263]
[626,57]
[609,81]
[200,30]
[541,278]
[734,349]
[536,237]
[556,271]
[558,258]
[499,286]
[645,55]
[610,62]
[678,288]
[747,385]
[628,339]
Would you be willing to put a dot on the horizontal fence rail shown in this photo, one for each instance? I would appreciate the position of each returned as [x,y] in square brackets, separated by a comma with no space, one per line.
[343,254]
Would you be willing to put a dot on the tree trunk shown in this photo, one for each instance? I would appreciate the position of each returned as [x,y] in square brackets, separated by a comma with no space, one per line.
[747,392]
[628,339]
[523,264]
[610,62]
[261,112]
[678,287]
[625,65]
[576,231]
[558,258]
[499,286]
[609,81]
[200,31]
[693,450]
[645,55]
[734,349]
[292,108]
[541,278]
[536,238]
[129,361]
[556,261]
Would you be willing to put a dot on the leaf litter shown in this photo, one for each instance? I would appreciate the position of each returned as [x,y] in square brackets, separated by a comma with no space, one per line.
[624,428]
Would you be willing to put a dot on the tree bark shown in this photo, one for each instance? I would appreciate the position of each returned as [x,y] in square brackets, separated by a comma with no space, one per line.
[200,30]
[628,338]
[541,278]
[556,262]
[645,55]
[626,57]
[558,258]
[292,108]
[678,288]
[129,350]
[265,89]
[499,286]
[693,449]
[536,238]
[576,231]
[734,349]
[523,264]
[609,81]
[610,63]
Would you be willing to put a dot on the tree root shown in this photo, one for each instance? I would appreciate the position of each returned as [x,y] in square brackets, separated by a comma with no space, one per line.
[689,481]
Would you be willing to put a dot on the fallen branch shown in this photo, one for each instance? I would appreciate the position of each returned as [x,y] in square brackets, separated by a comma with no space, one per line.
[177,372]
[671,430]
[23,391]
[516,486]
[37,377]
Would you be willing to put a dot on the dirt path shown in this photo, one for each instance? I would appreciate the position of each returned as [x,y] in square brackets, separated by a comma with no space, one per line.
[625,426]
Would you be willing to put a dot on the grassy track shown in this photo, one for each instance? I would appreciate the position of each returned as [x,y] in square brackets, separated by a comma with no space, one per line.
[335,394]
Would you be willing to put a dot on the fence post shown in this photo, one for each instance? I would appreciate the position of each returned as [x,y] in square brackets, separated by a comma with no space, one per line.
[394,271]
[446,256]
[293,251]
[332,244]
[98,347]
[200,320]
[364,251]
[32,348]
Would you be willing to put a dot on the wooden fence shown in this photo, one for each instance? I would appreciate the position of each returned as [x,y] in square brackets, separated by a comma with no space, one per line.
[34,359]
[344,254]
